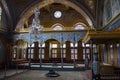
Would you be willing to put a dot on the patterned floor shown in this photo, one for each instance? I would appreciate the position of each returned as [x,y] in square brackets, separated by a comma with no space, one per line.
[41,75]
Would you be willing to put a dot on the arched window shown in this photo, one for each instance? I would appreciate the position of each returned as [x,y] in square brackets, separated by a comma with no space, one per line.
[57,27]
[79,26]
[57,14]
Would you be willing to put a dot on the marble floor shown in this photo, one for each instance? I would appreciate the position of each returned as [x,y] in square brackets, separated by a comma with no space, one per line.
[41,75]
[10,72]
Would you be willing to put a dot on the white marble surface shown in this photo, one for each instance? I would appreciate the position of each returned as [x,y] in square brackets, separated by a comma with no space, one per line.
[41,75]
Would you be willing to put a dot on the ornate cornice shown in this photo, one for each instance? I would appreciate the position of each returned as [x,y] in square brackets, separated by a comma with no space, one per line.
[113,23]
[101,36]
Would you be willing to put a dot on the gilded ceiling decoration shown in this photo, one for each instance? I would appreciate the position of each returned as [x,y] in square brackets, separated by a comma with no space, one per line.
[77,10]
[47,15]
[48,19]
[90,4]
[117,29]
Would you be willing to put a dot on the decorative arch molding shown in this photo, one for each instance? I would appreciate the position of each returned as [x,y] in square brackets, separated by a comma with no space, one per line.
[6,9]
[82,25]
[28,12]
[49,40]
[20,41]
[59,26]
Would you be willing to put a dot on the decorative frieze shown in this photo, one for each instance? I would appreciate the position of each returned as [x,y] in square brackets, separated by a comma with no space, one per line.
[67,36]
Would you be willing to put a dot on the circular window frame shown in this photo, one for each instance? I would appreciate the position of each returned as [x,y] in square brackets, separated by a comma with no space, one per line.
[58,14]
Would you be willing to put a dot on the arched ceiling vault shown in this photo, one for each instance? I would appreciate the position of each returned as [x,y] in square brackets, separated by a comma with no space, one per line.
[29,11]
[5,7]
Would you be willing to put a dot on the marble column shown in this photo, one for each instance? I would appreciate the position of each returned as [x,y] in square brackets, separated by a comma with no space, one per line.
[118,48]
[62,55]
[58,51]
[80,51]
[17,53]
[105,53]
[14,51]
[109,55]
[26,55]
[46,54]
[100,52]
[91,50]
[115,55]
[68,51]
[86,58]
[36,51]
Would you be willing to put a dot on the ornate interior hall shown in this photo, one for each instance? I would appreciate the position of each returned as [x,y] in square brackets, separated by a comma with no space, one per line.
[75,39]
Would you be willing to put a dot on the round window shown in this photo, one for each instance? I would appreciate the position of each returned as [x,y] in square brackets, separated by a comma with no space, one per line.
[57,14]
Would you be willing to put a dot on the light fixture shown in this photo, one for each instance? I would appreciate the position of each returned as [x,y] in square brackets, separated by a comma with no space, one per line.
[36,27]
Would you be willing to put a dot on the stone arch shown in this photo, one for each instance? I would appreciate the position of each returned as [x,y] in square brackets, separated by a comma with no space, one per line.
[51,39]
[21,41]
[26,14]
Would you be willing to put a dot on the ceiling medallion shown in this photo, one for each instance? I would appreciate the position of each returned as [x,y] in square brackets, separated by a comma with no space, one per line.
[57,14]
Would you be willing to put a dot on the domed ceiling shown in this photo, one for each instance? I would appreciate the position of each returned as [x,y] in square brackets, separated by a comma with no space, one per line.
[72,12]
[68,18]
